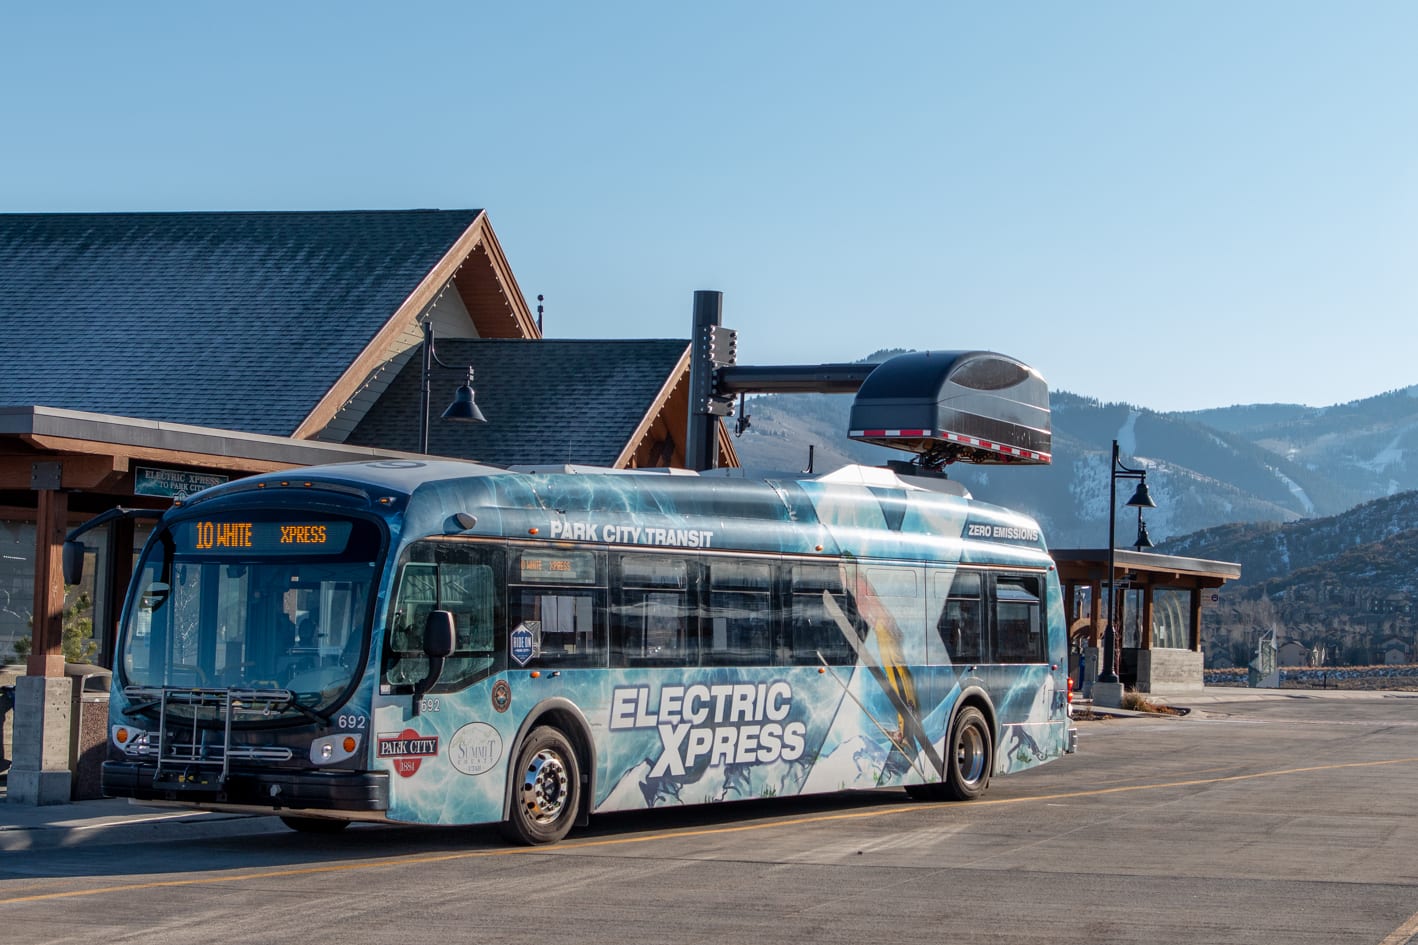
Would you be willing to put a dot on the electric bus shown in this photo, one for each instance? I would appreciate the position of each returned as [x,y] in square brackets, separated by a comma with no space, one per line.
[442,642]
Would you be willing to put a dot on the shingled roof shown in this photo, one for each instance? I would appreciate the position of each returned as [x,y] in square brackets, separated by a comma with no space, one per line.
[546,402]
[243,321]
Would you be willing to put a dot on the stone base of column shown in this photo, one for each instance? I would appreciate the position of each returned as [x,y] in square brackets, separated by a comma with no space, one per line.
[40,773]
[1108,694]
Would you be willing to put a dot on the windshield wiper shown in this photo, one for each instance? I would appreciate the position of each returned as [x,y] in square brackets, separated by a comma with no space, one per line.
[308,712]
[285,699]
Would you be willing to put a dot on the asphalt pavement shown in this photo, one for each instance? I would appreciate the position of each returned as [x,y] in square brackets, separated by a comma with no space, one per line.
[1255,818]
[117,820]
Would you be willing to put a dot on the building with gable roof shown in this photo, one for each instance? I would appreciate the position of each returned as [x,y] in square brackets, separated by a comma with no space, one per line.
[149,354]
[269,323]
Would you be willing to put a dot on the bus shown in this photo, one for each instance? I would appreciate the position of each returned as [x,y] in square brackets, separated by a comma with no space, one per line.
[446,643]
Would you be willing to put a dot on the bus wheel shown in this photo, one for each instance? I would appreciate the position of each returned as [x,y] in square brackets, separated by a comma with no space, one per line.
[314,824]
[969,756]
[546,789]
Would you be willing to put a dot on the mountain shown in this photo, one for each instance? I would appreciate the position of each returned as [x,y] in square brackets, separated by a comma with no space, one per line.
[1199,476]
[1317,504]
[1363,445]
[1346,585]
[1262,463]
[1269,553]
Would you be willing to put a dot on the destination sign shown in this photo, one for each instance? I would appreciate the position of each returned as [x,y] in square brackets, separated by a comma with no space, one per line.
[569,567]
[212,536]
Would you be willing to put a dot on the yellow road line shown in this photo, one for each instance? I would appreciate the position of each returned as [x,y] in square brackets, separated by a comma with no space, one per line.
[1404,933]
[572,846]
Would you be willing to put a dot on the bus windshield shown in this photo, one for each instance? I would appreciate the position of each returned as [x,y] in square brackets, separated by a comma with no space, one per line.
[257,603]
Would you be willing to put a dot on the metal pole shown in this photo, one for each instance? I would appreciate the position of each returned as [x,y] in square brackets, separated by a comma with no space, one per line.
[701,448]
[1110,645]
[793,378]
[427,362]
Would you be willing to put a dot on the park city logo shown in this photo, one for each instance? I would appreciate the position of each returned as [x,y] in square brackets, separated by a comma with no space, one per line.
[406,750]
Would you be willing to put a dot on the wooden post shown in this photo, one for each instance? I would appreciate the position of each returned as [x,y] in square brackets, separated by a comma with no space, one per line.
[47,654]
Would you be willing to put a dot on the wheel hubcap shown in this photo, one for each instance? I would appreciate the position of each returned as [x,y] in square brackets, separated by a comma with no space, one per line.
[544,787]
[970,755]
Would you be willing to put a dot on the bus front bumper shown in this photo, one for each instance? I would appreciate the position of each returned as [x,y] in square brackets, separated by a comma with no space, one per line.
[273,789]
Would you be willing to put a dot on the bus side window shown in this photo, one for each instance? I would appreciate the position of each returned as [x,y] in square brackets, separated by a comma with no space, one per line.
[739,618]
[650,613]
[1018,637]
[959,623]
[890,600]
[812,628]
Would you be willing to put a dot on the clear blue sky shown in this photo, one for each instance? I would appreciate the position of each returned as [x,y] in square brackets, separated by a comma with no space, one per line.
[1181,206]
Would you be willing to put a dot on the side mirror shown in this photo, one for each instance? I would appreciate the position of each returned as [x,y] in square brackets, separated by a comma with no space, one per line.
[73,558]
[439,639]
[73,562]
[439,634]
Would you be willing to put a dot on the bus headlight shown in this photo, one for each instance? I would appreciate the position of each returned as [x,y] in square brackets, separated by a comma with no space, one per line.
[333,748]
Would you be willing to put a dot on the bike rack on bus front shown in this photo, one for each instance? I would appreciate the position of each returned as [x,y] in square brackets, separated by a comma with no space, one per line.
[188,765]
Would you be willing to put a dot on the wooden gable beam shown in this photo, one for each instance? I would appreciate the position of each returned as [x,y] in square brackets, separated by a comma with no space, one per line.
[660,437]
[728,456]
[490,292]
[645,447]
[478,248]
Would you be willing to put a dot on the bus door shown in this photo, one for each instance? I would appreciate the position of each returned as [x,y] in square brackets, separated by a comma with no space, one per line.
[424,723]
[1022,683]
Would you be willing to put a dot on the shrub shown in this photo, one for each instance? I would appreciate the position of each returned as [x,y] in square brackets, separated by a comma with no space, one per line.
[78,641]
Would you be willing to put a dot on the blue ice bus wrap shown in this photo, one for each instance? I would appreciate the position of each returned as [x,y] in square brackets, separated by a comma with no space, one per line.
[446,643]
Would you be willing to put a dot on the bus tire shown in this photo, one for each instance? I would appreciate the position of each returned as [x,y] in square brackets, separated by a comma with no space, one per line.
[314,824]
[969,756]
[546,789]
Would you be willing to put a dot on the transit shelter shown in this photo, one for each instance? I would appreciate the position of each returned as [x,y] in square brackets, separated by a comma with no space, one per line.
[1157,611]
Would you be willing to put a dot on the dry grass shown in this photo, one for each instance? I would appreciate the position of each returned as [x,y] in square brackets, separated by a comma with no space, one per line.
[1139,702]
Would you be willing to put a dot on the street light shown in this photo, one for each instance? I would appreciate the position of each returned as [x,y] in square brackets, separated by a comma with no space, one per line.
[1143,540]
[463,409]
[1141,499]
